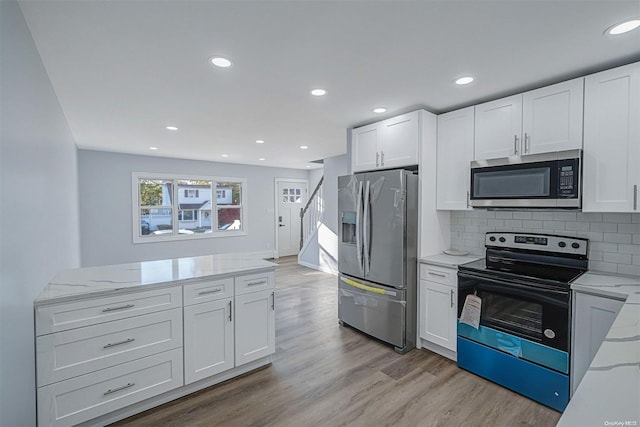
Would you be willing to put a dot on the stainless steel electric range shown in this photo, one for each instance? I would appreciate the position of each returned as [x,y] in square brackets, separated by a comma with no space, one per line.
[524,334]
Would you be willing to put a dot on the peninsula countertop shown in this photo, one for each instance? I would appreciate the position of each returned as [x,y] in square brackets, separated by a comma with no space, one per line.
[609,393]
[79,283]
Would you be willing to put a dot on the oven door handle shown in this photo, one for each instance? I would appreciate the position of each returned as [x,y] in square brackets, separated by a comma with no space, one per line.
[539,294]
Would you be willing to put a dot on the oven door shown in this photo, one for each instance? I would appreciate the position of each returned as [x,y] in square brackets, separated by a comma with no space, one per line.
[528,322]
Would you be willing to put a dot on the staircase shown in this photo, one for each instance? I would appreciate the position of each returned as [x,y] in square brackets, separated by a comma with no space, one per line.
[311,216]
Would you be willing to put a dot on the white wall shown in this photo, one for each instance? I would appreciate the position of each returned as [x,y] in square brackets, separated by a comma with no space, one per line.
[106,207]
[322,252]
[37,152]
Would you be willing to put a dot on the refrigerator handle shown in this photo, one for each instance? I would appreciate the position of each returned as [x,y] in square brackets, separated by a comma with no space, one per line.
[359,225]
[365,229]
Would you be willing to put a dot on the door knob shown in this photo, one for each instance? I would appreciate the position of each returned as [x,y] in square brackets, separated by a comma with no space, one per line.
[281,225]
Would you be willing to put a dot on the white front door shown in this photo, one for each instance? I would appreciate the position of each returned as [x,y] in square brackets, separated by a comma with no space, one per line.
[291,196]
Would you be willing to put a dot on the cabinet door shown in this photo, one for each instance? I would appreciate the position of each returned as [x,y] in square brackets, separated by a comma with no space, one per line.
[455,153]
[498,128]
[208,339]
[552,118]
[438,314]
[364,148]
[399,140]
[255,326]
[611,174]
[592,319]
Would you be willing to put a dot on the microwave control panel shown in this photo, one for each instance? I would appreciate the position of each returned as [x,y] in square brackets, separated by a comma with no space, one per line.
[568,178]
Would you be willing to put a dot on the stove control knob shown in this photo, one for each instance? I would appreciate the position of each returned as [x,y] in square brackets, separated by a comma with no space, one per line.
[492,238]
[562,244]
[575,245]
[502,240]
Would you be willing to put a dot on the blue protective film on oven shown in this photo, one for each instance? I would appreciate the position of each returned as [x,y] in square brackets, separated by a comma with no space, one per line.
[517,347]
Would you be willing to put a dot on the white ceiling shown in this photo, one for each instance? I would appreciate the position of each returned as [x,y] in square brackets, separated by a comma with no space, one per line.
[122,70]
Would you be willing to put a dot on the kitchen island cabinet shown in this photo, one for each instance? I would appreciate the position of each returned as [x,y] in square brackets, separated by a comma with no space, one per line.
[114,341]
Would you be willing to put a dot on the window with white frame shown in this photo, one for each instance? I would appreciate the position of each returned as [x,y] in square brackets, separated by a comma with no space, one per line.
[176,207]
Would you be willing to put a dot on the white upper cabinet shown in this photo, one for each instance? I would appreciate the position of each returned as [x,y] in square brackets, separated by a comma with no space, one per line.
[387,144]
[552,118]
[498,128]
[364,148]
[455,153]
[540,121]
[611,175]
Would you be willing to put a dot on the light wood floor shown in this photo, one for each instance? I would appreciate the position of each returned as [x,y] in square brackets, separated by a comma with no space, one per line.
[324,374]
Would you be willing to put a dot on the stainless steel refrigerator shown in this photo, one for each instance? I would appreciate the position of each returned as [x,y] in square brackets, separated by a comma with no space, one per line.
[377,235]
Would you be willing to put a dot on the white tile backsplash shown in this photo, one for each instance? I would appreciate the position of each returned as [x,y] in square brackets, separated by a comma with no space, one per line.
[614,238]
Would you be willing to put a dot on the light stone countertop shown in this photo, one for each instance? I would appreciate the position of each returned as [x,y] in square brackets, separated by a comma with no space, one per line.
[609,394]
[79,283]
[449,261]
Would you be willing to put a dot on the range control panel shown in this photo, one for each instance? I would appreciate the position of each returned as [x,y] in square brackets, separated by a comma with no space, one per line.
[537,242]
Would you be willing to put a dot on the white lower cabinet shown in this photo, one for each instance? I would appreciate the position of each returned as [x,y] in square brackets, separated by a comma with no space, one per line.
[82,398]
[592,318]
[98,357]
[438,309]
[208,339]
[255,326]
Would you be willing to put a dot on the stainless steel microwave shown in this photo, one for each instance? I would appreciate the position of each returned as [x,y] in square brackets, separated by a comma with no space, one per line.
[547,180]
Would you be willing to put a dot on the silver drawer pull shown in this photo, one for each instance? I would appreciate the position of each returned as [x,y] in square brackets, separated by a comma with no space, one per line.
[128,340]
[113,390]
[214,291]
[108,309]
[437,274]
[262,282]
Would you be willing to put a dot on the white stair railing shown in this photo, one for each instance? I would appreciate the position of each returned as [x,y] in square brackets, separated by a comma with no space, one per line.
[312,214]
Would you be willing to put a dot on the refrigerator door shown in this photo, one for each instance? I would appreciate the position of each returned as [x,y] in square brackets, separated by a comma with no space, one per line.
[350,208]
[384,227]
[373,309]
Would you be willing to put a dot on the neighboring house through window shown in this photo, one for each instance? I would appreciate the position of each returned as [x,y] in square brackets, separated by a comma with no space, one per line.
[162,200]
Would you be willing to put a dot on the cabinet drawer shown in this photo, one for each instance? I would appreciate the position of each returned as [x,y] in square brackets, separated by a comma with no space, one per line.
[61,317]
[442,275]
[254,283]
[79,399]
[67,354]
[208,291]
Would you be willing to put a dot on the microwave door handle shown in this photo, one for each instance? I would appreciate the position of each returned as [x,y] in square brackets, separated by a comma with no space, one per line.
[366,228]
[359,225]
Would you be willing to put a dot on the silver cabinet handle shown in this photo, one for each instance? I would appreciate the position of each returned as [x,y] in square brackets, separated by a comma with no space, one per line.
[451,298]
[273,300]
[377,158]
[635,197]
[214,291]
[382,158]
[128,340]
[261,282]
[468,199]
[515,144]
[230,311]
[123,307]
[527,140]
[437,274]
[113,390]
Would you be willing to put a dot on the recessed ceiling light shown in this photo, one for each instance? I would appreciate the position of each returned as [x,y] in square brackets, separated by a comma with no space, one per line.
[379,110]
[224,155]
[261,159]
[259,141]
[623,27]
[303,147]
[464,80]
[318,92]
[153,148]
[171,128]
[307,166]
[220,62]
